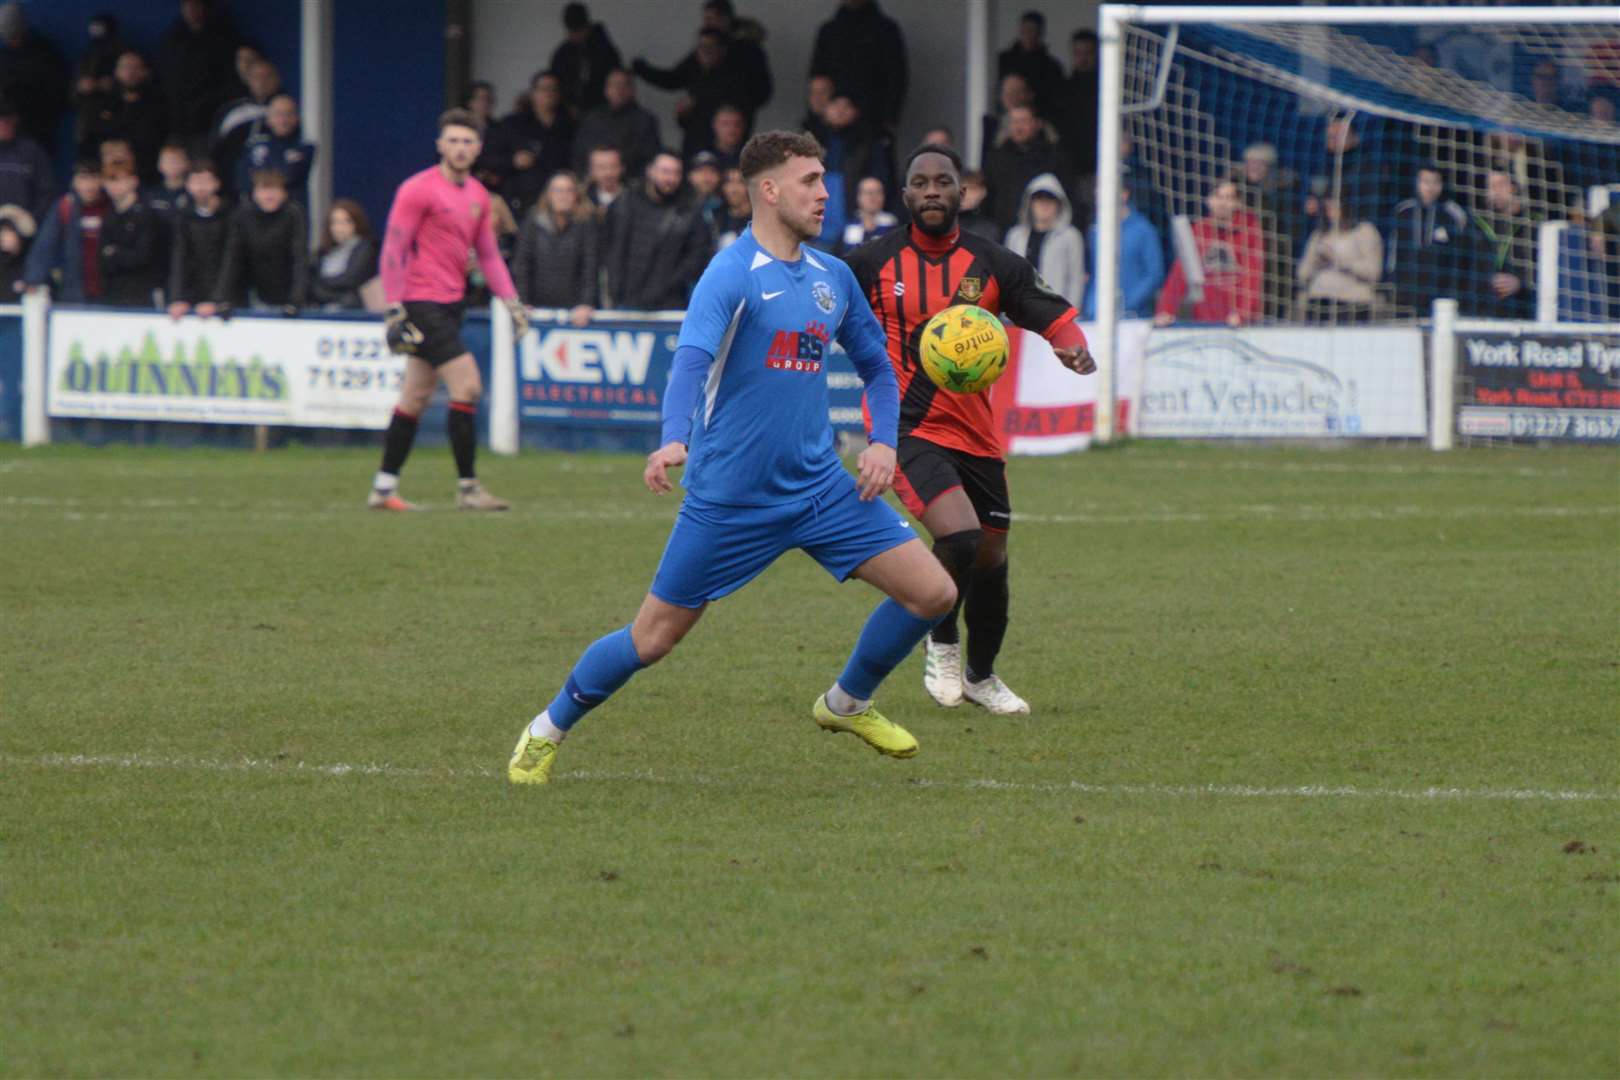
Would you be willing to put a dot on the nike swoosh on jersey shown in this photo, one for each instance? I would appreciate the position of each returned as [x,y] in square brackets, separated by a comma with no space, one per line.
[772,295]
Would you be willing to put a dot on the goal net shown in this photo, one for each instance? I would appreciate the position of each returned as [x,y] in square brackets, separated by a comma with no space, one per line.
[1343,166]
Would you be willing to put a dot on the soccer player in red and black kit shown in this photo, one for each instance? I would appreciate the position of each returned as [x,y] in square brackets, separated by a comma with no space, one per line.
[952,474]
[439,215]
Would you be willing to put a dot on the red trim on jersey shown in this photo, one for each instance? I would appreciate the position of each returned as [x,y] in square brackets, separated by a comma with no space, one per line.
[1065,333]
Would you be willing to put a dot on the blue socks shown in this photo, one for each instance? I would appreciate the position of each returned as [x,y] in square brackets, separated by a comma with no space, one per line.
[888,637]
[605,666]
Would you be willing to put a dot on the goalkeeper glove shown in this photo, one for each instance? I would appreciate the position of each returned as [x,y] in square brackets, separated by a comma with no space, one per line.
[520,317]
[402,335]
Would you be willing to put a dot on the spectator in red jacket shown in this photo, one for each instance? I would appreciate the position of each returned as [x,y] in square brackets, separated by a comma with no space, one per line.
[1232,253]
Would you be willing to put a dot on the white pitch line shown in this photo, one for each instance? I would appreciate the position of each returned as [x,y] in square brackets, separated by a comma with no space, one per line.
[1226,791]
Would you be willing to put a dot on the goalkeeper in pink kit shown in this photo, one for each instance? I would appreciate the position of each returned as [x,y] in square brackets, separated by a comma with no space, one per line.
[439,215]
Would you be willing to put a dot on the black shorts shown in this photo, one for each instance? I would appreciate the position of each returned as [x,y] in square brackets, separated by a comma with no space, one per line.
[441,329]
[929,470]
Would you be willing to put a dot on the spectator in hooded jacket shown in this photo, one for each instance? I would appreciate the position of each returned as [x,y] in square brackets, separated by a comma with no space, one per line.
[131,244]
[281,147]
[345,258]
[1231,253]
[66,258]
[555,264]
[198,252]
[1339,271]
[1141,263]
[1431,252]
[1046,236]
[661,244]
[583,60]
[265,252]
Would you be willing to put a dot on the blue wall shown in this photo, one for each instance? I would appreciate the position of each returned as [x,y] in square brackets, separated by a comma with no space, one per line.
[389,67]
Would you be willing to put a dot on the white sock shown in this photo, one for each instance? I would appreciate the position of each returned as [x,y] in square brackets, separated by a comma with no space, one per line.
[844,705]
[467,484]
[385,481]
[541,727]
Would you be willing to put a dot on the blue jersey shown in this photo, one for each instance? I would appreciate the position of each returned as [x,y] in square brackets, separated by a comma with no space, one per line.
[759,433]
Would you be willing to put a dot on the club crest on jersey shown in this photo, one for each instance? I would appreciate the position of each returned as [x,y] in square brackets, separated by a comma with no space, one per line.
[970,289]
[822,294]
[798,350]
[475,209]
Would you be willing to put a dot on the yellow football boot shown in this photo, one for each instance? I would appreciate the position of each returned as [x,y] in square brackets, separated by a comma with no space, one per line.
[531,761]
[881,734]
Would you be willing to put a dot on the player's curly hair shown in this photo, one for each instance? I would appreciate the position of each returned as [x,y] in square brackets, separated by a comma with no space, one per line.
[933,148]
[769,149]
[458,118]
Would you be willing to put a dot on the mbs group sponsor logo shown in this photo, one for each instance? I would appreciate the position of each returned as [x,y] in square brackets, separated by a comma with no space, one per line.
[799,350]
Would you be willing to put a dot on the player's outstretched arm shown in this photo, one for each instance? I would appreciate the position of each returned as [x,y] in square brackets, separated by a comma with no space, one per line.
[1069,344]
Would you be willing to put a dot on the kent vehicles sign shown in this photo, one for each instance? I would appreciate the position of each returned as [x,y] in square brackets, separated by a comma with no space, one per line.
[1283,382]
[245,371]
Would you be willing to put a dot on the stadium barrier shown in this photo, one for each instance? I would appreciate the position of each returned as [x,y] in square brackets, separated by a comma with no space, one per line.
[96,375]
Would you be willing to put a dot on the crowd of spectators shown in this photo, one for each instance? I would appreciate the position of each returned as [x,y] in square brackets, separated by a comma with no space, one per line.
[192,172]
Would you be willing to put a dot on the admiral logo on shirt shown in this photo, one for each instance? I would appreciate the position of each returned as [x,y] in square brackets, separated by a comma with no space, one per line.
[798,350]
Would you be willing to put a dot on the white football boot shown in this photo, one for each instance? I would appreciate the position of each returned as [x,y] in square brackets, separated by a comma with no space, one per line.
[942,672]
[993,695]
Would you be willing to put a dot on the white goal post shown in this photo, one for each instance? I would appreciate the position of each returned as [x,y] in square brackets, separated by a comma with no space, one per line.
[1114,23]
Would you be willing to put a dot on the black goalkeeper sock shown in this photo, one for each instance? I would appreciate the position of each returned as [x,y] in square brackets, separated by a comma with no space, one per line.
[955,552]
[397,442]
[986,620]
[462,427]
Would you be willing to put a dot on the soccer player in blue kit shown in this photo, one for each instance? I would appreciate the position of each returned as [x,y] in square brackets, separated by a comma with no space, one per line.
[746,413]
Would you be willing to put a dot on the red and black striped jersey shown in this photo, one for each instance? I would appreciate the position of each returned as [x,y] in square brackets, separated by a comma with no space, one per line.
[908,277]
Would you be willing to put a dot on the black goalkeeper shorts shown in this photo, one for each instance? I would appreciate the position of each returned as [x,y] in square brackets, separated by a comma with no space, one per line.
[441,329]
[928,470]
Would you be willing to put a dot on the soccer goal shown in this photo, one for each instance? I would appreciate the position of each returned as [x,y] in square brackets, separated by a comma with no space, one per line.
[1307,169]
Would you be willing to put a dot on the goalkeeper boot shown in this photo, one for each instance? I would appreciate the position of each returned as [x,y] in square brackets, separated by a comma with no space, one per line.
[388,500]
[532,760]
[881,734]
[470,495]
[942,672]
[991,693]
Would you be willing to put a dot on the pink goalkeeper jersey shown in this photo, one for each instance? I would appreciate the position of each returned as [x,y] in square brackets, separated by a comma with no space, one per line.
[431,228]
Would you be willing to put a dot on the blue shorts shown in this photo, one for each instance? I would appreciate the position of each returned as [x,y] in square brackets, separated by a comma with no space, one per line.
[715,550]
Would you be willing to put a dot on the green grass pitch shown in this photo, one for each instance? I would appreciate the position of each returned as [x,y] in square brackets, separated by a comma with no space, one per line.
[1322,780]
